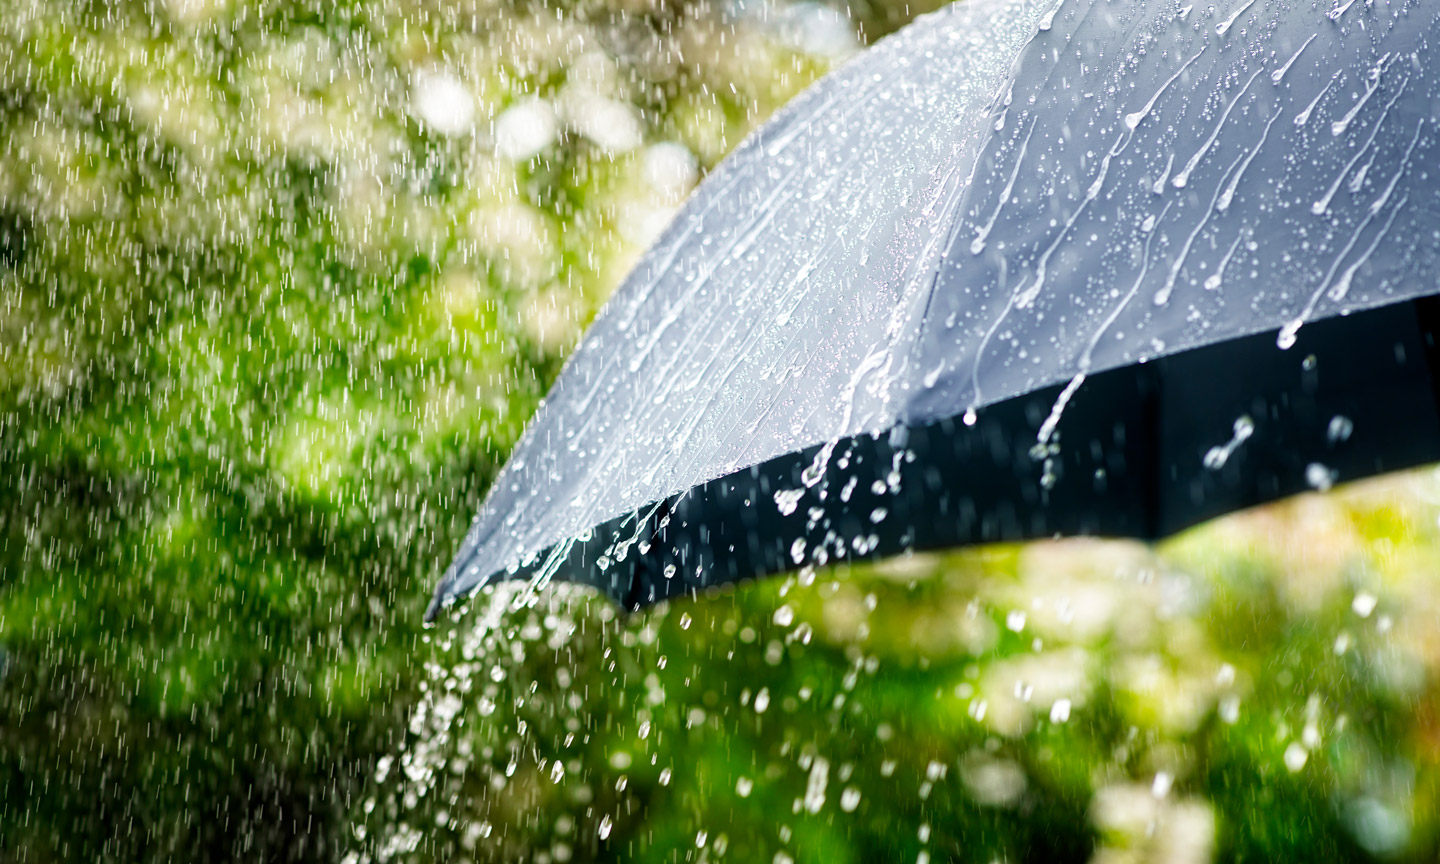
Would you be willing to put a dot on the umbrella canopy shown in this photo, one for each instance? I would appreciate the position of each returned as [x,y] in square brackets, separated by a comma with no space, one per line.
[1101,267]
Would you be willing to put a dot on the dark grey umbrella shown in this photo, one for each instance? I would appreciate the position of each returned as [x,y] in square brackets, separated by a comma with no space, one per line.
[1101,267]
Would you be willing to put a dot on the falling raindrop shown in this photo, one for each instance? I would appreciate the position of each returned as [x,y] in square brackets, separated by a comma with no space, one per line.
[1319,477]
[1230,709]
[787,500]
[1296,756]
[1339,429]
[1060,711]
[1161,785]
[1216,457]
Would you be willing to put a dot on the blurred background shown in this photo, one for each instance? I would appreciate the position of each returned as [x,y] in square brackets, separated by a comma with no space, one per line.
[280,284]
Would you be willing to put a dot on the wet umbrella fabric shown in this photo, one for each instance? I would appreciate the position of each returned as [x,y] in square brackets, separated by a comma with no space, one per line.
[1103,267]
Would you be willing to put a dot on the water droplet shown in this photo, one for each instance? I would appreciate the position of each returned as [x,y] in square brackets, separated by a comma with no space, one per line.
[1340,429]
[1296,756]
[1230,709]
[815,785]
[1334,14]
[1049,20]
[1319,477]
[1160,787]
[1216,457]
[1286,340]
[1060,711]
[788,499]
[1223,27]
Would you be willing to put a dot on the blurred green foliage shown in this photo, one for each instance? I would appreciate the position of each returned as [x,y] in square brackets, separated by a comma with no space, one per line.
[1259,689]
[277,295]
[280,283]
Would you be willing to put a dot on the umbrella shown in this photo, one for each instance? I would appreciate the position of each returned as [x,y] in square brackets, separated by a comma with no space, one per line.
[1102,267]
